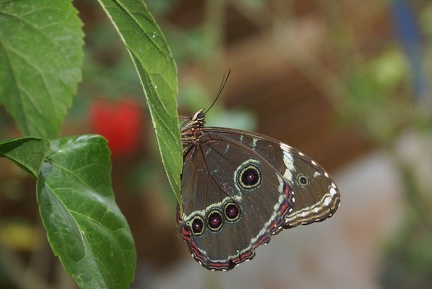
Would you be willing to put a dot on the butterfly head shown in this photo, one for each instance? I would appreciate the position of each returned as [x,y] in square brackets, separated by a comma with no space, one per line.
[199,116]
[192,128]
[195,122]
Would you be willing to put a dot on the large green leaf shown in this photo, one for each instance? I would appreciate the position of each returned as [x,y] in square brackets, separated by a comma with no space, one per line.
[85,227]
[157,70]
[40,59]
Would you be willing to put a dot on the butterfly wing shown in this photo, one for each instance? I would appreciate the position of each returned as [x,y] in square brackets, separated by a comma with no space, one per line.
[316,194]
[233,201]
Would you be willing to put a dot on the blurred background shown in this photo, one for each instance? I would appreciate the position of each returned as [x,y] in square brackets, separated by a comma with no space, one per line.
[347,84]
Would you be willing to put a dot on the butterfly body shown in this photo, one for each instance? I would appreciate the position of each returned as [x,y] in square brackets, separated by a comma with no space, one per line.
[239,188]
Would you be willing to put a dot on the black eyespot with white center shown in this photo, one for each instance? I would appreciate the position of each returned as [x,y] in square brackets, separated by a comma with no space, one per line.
[232,212]
[197,226]
[214,220]
[249,177]
[302,180]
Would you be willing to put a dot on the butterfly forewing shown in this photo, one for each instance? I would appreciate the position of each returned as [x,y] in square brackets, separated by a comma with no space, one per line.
[316,195]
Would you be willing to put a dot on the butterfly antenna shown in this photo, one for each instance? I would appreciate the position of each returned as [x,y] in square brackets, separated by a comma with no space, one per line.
[221,87]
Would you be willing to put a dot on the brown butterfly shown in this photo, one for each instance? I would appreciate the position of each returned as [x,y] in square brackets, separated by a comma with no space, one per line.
[239,188]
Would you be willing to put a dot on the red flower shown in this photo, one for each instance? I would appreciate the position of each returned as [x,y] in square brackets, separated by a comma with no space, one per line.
[119,122]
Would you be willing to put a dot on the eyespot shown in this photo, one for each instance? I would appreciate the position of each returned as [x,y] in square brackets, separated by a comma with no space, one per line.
[249,177]
[302,180]
[232,212]
[214,220]
[197,226]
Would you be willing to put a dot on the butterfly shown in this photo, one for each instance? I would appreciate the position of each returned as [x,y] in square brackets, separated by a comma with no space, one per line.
[239,188]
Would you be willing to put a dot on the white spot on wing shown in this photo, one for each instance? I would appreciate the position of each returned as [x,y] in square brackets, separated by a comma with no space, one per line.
[227,148]
[333,191]
[288,161]
[285,147]
[327,201]
[254,142]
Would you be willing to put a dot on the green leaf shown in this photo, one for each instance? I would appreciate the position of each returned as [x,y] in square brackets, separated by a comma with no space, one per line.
[85,227]
[158,73]
[27,152]
[40,59]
